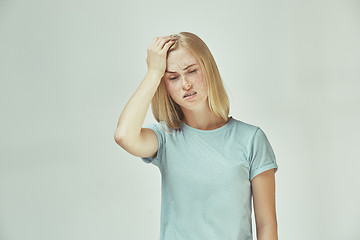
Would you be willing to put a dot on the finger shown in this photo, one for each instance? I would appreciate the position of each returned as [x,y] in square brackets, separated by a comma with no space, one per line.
[154,40]
[164,38]
[153,43]
[158,41]
[168,45]
[161,41]
[168,41]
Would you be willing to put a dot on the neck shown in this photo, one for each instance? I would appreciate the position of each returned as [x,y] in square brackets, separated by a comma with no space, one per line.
[205,122]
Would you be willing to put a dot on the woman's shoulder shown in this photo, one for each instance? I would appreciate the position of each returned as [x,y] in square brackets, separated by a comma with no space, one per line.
[245,126]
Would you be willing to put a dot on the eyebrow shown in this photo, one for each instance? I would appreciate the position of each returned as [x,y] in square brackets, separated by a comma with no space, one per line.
[184,68]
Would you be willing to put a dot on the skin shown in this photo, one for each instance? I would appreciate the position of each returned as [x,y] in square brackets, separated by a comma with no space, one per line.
[263,188]
[196,111]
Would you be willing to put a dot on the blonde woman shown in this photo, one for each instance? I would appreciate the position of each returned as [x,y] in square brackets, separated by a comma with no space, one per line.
[211,164]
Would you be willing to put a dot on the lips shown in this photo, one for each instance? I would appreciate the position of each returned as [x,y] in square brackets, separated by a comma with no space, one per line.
[189,92]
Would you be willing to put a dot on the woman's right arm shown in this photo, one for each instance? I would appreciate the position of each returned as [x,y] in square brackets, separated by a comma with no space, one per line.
[129,133]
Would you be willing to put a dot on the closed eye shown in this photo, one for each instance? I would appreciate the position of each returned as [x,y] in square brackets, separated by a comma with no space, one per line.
[189,72]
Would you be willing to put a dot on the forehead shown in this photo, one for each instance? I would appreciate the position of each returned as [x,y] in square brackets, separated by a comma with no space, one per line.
[179,59]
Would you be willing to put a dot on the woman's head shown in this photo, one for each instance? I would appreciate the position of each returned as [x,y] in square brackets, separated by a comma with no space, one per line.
[202,77]
[183,75]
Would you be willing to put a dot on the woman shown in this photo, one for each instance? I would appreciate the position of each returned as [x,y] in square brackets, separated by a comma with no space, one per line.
[211,164]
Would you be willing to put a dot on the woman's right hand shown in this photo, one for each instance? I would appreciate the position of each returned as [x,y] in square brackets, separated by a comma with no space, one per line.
[156,54]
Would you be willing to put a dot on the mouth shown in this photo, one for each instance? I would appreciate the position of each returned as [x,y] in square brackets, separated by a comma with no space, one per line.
[190,96]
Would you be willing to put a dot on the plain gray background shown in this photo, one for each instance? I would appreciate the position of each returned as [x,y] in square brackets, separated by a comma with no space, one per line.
[68,68]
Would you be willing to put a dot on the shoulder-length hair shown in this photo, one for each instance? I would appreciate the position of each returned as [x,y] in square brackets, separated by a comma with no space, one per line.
[165,109]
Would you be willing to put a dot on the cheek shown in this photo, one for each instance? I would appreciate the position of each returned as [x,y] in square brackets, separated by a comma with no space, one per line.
[171,91]
[168,86]
[202,82]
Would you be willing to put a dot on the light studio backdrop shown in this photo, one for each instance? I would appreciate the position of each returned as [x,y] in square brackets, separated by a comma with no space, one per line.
[68,68]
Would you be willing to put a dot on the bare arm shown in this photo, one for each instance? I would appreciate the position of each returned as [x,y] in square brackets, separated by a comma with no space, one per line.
[132,117]
[263,187]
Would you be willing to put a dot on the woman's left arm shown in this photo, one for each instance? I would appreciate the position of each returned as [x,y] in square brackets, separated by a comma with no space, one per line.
[263,188]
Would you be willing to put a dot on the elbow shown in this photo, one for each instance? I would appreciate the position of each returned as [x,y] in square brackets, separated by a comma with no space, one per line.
[123,139]
[118,138]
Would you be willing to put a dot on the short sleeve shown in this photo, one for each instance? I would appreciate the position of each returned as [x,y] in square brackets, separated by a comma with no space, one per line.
[262,157]
[160,134]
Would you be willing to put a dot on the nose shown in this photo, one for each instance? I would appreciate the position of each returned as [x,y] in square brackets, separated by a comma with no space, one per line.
[186,83]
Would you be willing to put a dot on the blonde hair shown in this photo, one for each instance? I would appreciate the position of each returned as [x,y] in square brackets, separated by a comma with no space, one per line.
[165,109]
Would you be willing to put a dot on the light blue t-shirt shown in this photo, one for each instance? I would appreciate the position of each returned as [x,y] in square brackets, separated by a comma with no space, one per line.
[206,174]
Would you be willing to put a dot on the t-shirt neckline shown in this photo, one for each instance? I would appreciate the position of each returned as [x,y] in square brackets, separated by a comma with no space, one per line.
[222,128]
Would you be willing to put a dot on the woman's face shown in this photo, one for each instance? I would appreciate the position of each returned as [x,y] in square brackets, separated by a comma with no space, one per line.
[183,74]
